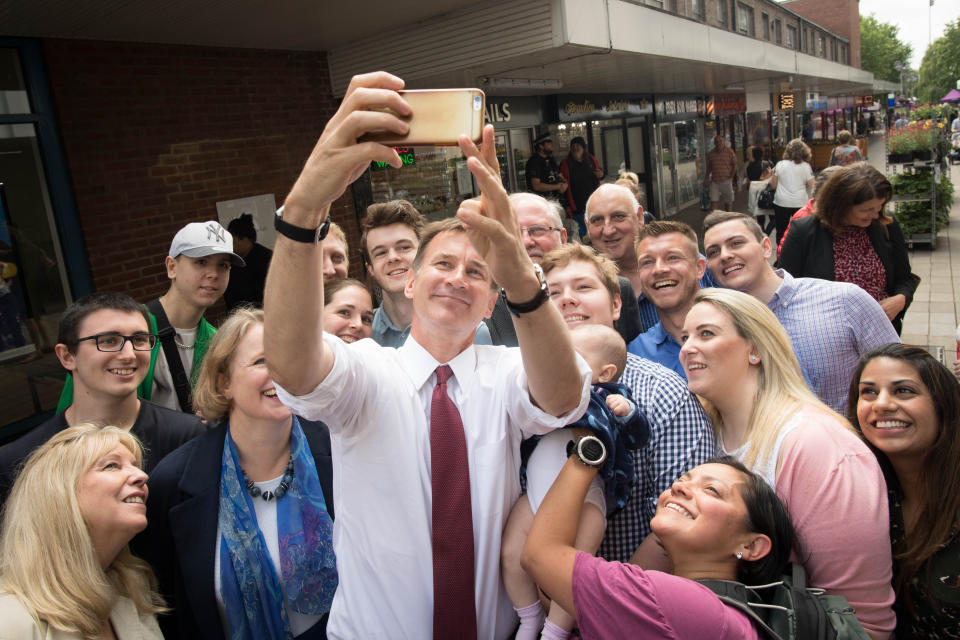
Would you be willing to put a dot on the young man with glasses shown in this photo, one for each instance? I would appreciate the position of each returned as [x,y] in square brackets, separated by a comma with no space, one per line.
[198,267]
[105,343]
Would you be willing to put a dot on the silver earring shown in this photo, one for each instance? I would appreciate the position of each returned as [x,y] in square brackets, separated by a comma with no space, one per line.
[754,359]
[739,555]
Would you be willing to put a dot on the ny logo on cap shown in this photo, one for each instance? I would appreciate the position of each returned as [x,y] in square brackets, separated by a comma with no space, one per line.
[214,230]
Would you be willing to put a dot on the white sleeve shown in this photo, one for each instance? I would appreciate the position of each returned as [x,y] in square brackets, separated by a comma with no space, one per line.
[338,396]
[530,418]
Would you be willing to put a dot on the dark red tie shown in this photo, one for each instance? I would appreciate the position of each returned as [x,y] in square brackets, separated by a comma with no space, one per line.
[454,611]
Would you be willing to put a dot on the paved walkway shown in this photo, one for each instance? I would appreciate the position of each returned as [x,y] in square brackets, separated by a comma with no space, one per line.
[933,317]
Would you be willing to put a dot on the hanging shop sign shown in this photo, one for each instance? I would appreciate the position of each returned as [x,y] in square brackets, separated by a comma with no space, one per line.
[816,105]
[571,108]
[515,111]
[672,108]
[729,103]
[864,101]
[785,102]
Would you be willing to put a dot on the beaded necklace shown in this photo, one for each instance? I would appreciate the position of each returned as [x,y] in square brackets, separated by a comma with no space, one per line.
[277,493]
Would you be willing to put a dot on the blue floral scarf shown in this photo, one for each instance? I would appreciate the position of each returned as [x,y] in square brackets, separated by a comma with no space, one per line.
[252,591]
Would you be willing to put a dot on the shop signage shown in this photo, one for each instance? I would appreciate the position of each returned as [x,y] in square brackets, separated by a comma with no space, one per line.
[406,156]
[680,107]
[864,101]
[585,107]
[786,102]
[516,111]
[730,102]
[816,105]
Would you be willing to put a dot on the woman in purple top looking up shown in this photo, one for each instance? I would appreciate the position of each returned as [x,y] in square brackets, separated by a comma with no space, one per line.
[718,521]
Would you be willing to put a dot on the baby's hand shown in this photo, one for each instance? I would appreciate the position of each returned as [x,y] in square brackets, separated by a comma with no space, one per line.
[618,404]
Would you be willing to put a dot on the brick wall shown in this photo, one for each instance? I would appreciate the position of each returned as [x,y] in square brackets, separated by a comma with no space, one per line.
[841,17]
[155,135]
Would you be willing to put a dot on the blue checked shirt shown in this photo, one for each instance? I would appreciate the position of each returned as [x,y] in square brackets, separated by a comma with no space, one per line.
[831,324]
[681,437]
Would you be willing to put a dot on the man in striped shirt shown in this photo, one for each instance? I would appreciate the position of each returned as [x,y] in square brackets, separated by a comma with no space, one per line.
[721,168]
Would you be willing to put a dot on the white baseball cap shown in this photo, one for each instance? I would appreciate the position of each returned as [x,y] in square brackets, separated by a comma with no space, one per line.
[200,239]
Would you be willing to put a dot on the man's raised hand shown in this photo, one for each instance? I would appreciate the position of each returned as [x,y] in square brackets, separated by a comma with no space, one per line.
[338,159]
[492,225]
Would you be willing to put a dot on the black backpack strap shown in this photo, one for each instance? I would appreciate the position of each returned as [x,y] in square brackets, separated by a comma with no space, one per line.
[167,334]
[736,595]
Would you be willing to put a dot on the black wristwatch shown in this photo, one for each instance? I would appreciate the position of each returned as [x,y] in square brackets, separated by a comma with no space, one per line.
[589,450]
[526,307]
[300,234]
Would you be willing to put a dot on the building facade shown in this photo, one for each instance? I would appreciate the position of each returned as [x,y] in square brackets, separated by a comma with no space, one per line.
[116,131]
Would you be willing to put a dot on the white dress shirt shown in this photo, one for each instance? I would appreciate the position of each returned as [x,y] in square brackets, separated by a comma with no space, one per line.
[376,402]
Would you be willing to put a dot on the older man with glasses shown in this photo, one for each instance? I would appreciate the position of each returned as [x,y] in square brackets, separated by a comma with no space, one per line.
[105,343]
[542,232]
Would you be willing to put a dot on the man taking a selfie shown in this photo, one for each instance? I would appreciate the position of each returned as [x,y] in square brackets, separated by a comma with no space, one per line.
[426,437]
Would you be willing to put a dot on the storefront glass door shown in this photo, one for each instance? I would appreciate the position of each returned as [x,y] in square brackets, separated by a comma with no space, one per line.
[679,150]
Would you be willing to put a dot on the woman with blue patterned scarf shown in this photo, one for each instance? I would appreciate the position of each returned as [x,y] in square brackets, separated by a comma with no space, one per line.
[241,518]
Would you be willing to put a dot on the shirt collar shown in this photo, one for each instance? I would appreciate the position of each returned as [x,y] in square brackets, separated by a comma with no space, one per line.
[659,334]
[381,322]
[420,365]
[785,291]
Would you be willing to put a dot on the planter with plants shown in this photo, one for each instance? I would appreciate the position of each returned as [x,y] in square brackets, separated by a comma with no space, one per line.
[921,208]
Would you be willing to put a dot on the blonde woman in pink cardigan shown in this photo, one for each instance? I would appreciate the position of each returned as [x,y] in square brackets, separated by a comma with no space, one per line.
[738,359]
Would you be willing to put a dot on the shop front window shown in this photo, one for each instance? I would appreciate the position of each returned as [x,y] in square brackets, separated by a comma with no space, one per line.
[33,276]
[435,180]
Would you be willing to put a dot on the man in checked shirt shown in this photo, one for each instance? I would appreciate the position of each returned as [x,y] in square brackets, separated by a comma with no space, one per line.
[584,287]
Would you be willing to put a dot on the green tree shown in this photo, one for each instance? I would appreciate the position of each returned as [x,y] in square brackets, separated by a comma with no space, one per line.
[940,68]
[881,49]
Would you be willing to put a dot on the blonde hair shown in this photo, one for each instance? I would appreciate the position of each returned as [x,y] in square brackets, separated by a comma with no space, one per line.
[208,399]
[797,151]
[781,390]
[565,254]
[47,559]
[337,232]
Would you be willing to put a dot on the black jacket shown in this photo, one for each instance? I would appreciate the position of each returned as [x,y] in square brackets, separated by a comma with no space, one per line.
[808,253]
[181,536]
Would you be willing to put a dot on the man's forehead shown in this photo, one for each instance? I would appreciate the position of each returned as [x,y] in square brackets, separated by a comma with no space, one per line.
[532,208]
[110,320]
[390,234]
[666,242]
[612,203]
[455,244]
[726,230]
[573,270]
[331,243]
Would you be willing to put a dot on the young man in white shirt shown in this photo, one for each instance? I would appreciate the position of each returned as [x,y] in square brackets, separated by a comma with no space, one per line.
[378,402]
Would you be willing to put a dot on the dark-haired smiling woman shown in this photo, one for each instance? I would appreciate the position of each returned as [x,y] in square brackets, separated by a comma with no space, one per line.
[849,238]
[241,517]
[718,521]
[907,406]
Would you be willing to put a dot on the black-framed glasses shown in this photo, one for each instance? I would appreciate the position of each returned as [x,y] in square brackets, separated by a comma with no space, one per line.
[115,341]
[538,231]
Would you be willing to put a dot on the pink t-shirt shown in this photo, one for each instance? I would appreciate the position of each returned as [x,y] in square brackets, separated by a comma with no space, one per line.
[834,490]
[616,600]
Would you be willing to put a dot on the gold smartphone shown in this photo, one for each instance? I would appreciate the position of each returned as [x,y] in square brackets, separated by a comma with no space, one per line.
[438,118]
